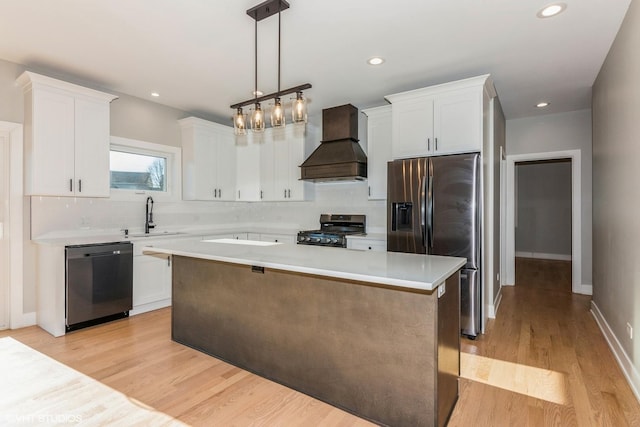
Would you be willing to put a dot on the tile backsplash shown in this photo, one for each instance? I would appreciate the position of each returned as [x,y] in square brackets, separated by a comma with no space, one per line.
[59,216]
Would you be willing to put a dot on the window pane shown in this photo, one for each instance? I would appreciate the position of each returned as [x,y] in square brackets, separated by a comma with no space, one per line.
[133,171]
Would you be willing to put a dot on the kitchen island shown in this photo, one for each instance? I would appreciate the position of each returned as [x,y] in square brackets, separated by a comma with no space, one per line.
[374,333]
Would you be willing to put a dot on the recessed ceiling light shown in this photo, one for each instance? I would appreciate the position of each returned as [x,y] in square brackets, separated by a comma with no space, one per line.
[376,60]
[542,104]
[155,94]
[551,10]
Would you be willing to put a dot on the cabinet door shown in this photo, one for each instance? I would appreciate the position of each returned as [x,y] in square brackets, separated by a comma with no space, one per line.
[281,164]
[49,155]
[151,278]
[458,122]
[199,162]
[379,151]
[248,173]
[225,165]
[299,145]
[267,168]
[412,128]
[91,148]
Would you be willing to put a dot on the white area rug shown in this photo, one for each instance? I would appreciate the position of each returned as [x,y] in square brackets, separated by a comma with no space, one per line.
[36,390]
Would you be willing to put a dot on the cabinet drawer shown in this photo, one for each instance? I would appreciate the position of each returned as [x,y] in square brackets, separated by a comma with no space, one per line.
[278,238]
[367,245]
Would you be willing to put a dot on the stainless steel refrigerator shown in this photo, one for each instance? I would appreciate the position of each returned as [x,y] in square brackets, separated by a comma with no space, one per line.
[433,207]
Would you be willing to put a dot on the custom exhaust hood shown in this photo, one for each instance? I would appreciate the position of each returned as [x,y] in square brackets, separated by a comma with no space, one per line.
[339,156]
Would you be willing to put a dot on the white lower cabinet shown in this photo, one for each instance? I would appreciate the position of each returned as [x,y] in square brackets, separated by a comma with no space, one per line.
[151,278]
[151,282]
[367,244]
[278,238]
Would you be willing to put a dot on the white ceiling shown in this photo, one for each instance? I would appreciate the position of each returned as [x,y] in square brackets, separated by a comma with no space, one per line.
[199,54]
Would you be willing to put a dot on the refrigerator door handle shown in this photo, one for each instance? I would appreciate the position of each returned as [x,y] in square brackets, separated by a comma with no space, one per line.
[423,210]
[430,210]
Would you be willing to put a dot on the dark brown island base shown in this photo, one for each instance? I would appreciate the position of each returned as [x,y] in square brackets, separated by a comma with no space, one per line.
[387,353]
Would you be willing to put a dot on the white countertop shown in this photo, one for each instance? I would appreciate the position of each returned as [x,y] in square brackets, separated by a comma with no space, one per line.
[413,271]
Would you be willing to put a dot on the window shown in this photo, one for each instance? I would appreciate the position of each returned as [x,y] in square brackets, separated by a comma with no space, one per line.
[134,171]
[139,168]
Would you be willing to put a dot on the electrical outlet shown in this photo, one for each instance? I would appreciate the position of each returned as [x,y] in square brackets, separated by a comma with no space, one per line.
[630,331]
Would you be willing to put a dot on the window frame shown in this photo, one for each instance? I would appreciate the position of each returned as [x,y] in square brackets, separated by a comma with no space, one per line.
[173,156]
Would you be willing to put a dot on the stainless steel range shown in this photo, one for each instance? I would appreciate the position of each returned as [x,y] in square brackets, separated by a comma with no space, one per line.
[333,230]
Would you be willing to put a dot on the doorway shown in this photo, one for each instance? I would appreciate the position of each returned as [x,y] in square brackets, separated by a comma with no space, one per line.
[543,224]
[575,157]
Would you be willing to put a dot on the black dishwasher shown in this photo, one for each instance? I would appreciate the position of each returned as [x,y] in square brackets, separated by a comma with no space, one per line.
[99,283]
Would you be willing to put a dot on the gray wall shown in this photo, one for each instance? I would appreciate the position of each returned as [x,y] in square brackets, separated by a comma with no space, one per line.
[499,144]
[543,208]
[616,185]
[131,117]
[558,132]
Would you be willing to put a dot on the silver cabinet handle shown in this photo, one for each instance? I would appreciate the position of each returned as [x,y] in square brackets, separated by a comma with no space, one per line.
[79,186]
[215,193]
[428,144]
[289,193]
[220,192]
[285,193]
[436,144]
[71,185]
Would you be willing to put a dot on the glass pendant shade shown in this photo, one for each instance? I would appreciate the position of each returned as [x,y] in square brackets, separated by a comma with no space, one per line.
[240,123]
[299,109]
[277,114]
[257,119]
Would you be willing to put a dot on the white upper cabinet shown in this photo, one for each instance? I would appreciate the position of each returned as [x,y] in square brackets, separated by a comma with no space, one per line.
[248,151]
[66,138]
[208,160]
[437,120]
[283,151]
[218,165]
[378,150]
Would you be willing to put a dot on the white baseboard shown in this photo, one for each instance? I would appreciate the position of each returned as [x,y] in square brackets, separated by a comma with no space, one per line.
[539,255]
[143,308]
[628,369]
[492,309]
[24,320]
[585,290]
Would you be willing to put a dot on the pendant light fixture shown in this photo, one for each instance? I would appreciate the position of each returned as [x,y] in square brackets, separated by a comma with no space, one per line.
[257,119]
[299,109]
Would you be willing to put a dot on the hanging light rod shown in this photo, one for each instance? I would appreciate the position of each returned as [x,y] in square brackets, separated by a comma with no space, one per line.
[299,110]
[272,95]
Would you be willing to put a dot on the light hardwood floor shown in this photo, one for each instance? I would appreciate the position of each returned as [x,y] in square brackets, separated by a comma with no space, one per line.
[543,362]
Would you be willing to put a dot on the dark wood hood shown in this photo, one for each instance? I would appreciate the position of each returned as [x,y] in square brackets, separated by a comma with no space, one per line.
[339,156]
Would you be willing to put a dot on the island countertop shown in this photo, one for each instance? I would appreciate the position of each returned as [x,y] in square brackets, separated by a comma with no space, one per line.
[411,271]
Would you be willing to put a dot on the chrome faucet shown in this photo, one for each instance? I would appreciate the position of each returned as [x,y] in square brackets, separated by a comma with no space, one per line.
[148,217]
